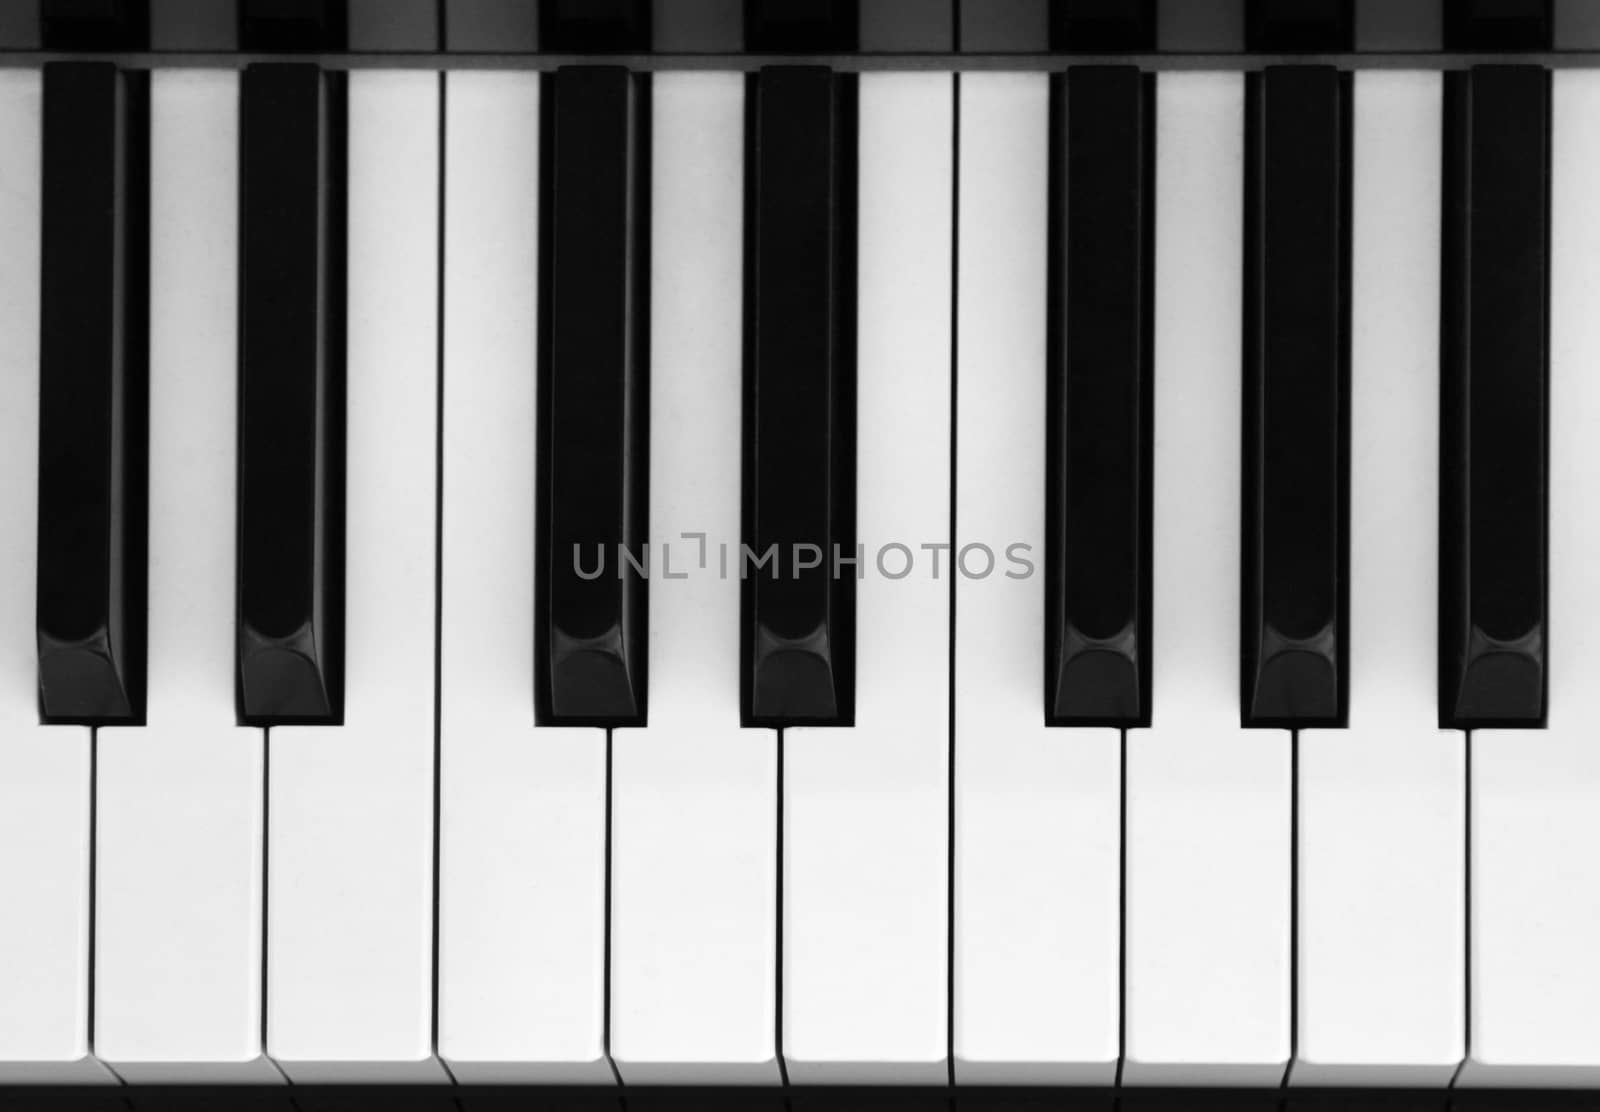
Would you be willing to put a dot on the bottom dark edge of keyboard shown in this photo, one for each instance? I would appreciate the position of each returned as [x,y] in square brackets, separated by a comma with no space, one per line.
[471,1098]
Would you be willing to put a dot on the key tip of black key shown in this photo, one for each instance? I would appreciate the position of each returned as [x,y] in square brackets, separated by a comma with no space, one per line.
[82,681]
[1097,682]
[284,679]
[592,683]
[792,683]
[1497,683]
[1294,684]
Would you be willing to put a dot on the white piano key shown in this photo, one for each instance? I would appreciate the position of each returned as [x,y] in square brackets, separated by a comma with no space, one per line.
[1208,803]
[45,771]
[866,808]
[1535,888]
[1037,836]
[179,829]
[1382,996]
[694,869]
[350,809]
[522,872]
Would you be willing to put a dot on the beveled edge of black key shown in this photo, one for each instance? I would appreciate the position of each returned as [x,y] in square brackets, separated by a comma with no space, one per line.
[807,681]
[1099,681]
[1132,31]
[1293,682]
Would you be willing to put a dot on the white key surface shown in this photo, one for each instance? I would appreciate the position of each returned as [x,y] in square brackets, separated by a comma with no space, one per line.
[694,820]
[44,770]
[1036,927]
[350,809]
[1535,891]
[866,830]
[1382,882]
[178,982]
[522,839]
[1208,803]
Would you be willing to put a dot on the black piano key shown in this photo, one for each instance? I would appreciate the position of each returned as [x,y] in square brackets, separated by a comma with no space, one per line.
[595,26]
[291,394]
[92,394]
[801,26]
[1494,493]
[593,397]
[798,639]
[1295,600]
[94,24]
[1102,26]
[1097,643]
[1300,26]
[293,26]
[1495,25]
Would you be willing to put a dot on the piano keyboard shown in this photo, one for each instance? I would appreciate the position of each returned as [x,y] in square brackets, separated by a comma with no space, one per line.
[616,574]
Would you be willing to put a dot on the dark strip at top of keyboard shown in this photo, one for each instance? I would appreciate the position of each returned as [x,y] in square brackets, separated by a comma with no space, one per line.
[862,29]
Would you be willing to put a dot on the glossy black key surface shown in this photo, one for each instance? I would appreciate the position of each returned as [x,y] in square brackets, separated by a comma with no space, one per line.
[292,26]
[1295,587]
[1102,26]
[92,394]
[93,24]
[801,26]
[1493,541]
[1492,25]
[594,26]
[1300,26]
[594,350]
[291,396]
[1097,594]
[798,636]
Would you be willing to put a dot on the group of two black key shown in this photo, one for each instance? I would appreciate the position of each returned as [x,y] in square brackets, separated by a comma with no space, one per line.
[93,402]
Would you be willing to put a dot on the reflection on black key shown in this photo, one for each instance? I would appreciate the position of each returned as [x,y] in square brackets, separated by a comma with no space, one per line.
[1295,605]
[291,396]
[594,351]
[798,641]
[1498,24]
[1300,26]
[1495,382]
[1102,26]
[1098,510]
[94,24]
[92,394]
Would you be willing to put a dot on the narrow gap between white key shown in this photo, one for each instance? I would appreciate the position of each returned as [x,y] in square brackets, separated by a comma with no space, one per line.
[1294,908]
[950,771]
[777,964]
[266,897]
[438,558]
[94,859]
[605,959]
[1466,918]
